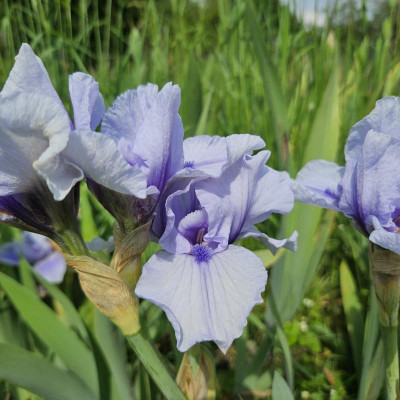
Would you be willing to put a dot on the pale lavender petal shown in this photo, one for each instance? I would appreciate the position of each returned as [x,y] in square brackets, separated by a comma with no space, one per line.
[87,102]
[320,183]
[152,131]
[52,268]
[180,203]
[245,194]
[384,238]
[33,131]
[97,155]
[99,244]
[384,118]
[9,253]
[35,247]
[273,244]
[29,76]
[241,144]
[370,186]
[206,301]
[208,154]
[127,114]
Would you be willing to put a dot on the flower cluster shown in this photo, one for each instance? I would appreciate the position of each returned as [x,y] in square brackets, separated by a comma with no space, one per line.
[199,195]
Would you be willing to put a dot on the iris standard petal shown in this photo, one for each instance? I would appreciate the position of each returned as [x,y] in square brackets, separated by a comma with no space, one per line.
[152,135]
[206,301]
[384,118]
[87,102]
[33,131]
[128,112]
[319,182]
[241,144]
[29,76]
[370,186]
[97,155]
[52,268]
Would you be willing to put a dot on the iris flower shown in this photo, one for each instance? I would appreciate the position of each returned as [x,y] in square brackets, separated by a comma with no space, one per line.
[39,252]
[43,154]
[206,285]
[145,126]
[367,188]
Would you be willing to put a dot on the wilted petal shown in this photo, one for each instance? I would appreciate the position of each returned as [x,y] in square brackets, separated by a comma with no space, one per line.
[52,268]
[29,76]
[320,183]
[9,253]
[97,155]
[87,102]
[35,247]
[33,131]
[207,301]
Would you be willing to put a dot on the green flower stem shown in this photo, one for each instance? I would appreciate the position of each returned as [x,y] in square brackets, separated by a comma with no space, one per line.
[391,355]
[154,366]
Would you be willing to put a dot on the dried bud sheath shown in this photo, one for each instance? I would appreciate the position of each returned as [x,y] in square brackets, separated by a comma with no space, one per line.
[111,288]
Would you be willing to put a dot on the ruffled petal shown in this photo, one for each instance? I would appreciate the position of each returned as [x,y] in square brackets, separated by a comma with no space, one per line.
[97,155]
[384,118]
[87,102]
[207,301]
[239,145]
[29,76]
[52,268]
[320,183]
[370,184]
[33,132]
[273,244]
[245,194]
[152,131]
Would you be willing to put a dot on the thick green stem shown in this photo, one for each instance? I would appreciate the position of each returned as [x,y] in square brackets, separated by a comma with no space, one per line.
[75,243]
[154,366]
[389,337]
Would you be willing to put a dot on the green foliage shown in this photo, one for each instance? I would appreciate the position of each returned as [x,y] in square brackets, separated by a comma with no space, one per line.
[243,66]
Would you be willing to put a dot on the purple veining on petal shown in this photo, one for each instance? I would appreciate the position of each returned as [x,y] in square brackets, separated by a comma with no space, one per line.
[201,253]
[188,164]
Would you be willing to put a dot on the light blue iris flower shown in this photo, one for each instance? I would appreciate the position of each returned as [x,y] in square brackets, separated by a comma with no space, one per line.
[367,189]
[39,252]
[206,285]
[41,148]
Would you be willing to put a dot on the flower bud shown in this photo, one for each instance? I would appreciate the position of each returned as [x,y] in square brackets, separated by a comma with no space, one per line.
[196,375]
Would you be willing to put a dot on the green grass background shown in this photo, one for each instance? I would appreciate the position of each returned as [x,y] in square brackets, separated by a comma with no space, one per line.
[243,67]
